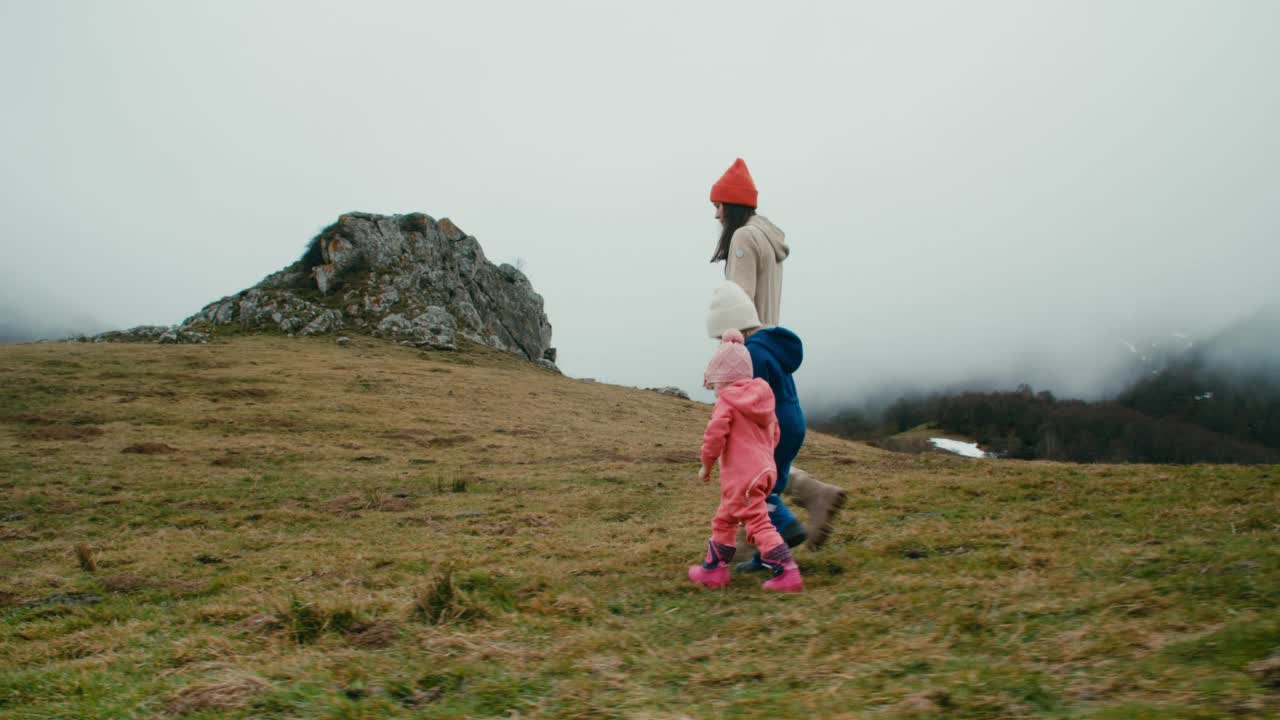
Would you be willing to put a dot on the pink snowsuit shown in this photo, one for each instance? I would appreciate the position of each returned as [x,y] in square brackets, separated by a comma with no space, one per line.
[742,433]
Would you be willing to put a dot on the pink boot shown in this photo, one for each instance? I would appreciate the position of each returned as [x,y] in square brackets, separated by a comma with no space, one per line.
[786,573]
[714,570]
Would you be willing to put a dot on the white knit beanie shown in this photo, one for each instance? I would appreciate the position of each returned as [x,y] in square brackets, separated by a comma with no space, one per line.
[731,309]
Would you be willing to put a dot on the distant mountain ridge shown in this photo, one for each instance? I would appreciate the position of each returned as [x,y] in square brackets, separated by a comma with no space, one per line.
[1250,346]
[1188,401]
[1229,384]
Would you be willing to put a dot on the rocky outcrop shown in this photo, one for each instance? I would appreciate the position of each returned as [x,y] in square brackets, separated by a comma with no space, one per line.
[163,334]
[409,278]
[670,390]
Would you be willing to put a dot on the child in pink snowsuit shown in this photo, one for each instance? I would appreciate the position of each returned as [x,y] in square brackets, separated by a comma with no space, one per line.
[742,434]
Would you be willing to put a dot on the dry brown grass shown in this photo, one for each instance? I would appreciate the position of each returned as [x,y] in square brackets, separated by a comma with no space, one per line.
[64,432]
[124,583]
[372,531]
[86,557]
[149,448]
[375,634]
[232,692]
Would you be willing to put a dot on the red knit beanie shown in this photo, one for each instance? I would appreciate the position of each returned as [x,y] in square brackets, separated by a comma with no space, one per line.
[735,186]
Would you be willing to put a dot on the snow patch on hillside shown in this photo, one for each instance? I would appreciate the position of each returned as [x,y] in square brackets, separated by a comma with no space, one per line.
[957,447]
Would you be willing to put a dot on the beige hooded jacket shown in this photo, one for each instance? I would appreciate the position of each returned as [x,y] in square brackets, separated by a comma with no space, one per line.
[756,252]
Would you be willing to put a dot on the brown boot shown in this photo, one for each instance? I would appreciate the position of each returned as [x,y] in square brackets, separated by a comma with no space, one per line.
[822,501]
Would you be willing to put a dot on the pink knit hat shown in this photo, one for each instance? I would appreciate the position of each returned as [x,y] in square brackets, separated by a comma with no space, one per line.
[731,362]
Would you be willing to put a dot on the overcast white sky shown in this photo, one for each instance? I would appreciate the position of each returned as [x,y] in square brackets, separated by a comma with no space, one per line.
[970,188]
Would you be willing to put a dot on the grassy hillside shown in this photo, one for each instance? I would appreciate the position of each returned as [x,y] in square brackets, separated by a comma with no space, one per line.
[268,527]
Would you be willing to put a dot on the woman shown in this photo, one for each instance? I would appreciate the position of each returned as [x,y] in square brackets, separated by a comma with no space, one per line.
[753,250]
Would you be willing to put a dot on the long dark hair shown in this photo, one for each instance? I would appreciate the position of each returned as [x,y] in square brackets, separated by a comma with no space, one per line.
[734,217]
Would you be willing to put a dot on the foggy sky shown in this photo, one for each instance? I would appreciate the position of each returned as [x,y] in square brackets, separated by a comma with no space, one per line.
[977,190]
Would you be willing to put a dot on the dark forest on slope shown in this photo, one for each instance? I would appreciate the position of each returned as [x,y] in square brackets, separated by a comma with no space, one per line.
[1219,403]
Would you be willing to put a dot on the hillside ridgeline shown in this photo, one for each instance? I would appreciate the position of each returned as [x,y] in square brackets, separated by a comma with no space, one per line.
[1216,402]
[265,526]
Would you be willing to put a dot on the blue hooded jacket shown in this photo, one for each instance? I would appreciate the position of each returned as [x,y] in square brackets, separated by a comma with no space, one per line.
[776,353]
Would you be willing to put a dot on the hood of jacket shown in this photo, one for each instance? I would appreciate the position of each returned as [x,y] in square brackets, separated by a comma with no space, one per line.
[752,398]
[780,343]
[772,234]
